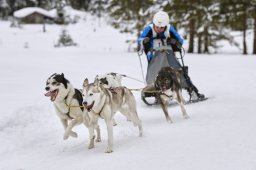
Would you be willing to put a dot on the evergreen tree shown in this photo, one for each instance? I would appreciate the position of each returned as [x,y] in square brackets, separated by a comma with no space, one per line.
[45,4]
[60,4]
[31,3]
[252,11]
[18,4]
[201,21]
[4,9]
[98,8]
[130,15]
[81,4]
[183,15]
[236,16]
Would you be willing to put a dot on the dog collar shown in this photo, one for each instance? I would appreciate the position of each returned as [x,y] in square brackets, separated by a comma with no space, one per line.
[162,93]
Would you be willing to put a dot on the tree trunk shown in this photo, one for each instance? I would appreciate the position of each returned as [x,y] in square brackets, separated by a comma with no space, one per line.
[199,46]
[254,39]
[191,35]
[244,42]
[206,40]
[244,30]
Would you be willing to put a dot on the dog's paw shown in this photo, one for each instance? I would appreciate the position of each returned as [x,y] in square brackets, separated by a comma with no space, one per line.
[65,137]
[114,122]
[98,140]
[108,150]
[169,121]
[73,134]
[186,117]
[91,145]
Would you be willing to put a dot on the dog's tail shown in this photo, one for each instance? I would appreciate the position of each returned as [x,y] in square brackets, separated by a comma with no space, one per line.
[123,75]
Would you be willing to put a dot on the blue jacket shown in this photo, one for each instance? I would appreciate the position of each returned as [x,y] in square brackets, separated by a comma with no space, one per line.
[150,33]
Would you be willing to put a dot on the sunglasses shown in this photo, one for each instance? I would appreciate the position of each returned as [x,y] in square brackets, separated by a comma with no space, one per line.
[159,27]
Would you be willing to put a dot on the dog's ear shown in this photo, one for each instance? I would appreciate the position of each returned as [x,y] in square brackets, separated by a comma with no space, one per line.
[86,82]
[61,79]
[97,82]
[103,81]
[96,78]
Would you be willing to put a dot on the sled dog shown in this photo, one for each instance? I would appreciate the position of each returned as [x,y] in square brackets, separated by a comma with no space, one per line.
[67,102]
[168,81]
[110,80]
[103,102]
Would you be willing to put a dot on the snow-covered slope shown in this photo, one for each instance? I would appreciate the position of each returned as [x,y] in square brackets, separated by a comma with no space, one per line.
[219,135]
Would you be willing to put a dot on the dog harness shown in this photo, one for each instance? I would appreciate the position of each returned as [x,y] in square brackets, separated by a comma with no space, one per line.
[79,98]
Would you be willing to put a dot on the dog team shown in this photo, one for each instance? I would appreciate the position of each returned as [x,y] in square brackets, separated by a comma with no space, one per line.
[103,98]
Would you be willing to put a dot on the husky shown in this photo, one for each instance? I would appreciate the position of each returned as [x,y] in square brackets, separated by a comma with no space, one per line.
[111,80]
[68,105]
[168,81]
[103,102]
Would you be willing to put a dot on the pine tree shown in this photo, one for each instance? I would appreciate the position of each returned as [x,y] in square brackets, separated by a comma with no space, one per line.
[98,8]
[183,15]
[18,4]
[201,21]
[252,12]
[60,4]
[80,4]
[130,15]
[31,3]
[236,16]
[4,9]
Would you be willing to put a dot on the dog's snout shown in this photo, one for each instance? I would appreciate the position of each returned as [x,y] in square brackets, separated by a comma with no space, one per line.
[47,88]
[85,103]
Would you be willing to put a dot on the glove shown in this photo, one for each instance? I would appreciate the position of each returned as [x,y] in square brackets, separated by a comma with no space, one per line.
[146,40]
[175,44]
[150,56]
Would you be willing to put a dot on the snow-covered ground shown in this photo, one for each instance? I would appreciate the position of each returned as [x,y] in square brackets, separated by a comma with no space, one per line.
[218,136]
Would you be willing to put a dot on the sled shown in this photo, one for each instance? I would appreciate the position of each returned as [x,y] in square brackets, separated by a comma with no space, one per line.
[164,56]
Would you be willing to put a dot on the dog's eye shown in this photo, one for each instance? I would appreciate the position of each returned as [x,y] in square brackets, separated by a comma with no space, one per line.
[54,83]
[90,94]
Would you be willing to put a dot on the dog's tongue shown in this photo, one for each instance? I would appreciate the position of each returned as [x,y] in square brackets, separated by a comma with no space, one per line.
[48,94]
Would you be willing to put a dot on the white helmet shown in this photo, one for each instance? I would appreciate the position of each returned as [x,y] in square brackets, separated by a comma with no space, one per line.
[161,19]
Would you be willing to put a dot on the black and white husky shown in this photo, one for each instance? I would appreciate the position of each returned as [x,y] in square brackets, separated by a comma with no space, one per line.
[103,102]
[68,103]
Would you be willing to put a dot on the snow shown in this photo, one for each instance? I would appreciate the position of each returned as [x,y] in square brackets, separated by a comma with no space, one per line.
[219,134]
[30,10]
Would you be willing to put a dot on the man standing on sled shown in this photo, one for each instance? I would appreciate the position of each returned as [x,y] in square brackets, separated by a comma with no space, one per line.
[158,34]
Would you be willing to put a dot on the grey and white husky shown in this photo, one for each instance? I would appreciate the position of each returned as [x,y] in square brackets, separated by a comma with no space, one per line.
[67,102]
[103,102]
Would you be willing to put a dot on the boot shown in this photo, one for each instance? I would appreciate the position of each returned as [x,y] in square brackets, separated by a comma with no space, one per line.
[194,94]
[200,96]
